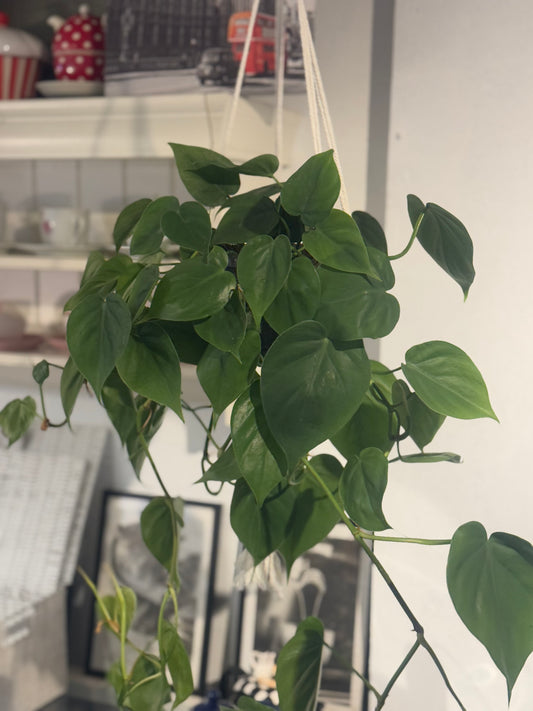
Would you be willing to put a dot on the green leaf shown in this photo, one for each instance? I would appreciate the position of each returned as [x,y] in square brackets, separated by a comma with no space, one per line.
[313,515]
[223,377]
[140,289]
[336,242]
[351,307]
[149,365]
[226,329]
[152,418]
[298,298]
[362,487]
[208,176]
[381,266]
[148,233]
[174,655]
[371,231]
[118,401]
[223,469]
[192,290]
[160,530]
[447,241]
[246,703]
[311,386]
[97,333]
[491,585]
[127,220]
[424,423]
[258,455]
[261,529]
[95,260]
[41,372]
[150,695]
[188,344]
[70,386]
[16,418]
[264,165]
[313,189]
[262,269]
[431,458]
[299,667]
[369,427]
[248,215]
[189,226]
[116,273]
[447,381]
[415,208]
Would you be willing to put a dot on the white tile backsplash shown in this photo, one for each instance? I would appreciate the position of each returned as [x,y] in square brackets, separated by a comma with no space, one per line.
[148,177]
[57,183]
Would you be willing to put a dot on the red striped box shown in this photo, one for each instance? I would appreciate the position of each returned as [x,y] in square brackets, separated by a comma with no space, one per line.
[17,77]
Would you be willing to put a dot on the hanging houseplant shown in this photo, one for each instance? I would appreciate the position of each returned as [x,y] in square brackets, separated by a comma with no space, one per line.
[272,306]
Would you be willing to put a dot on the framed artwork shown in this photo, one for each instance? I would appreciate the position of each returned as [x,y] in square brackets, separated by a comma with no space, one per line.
[123,551]
[331,581]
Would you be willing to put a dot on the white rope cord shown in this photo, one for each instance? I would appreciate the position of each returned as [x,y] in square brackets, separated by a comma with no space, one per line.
[320,99]
[280,77]
[310,86]
[240,75]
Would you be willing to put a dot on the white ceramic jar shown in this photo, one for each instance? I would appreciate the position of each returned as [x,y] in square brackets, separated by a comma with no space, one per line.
[20,57]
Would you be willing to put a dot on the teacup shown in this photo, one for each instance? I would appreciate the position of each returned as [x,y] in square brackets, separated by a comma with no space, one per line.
[63,226]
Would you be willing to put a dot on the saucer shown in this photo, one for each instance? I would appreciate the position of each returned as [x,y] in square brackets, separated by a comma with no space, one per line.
[77,87]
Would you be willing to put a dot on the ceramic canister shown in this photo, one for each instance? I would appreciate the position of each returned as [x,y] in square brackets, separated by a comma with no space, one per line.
[20,58]
[78,46]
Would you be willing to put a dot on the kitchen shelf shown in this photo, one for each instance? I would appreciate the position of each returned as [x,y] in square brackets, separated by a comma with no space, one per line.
[61,262]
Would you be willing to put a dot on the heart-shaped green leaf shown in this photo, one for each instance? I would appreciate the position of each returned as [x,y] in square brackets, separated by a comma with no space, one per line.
[140,289]
[175,657]
[16,418]
[446,379]
[311,386]
[192,290]
[264,165]
[160,525]
[371,231]
[148,233]
[299,667]
[362,487]
[127,220]
[248,215]
[258,454]
[313,189]
[189,226]
[70,386]
[298,298]
[120,406]
[423,422]
[152,693]
[116,273]
[351,307]
[226,329]
[262,268]
[260,528]
[446,240]
[149,365]
[369,427]
[491,585]
[208,176]
[223,377]
[314,515]
[336,242]
[97,333]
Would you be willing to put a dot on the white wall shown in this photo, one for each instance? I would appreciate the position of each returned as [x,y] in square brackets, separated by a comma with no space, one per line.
[460,136]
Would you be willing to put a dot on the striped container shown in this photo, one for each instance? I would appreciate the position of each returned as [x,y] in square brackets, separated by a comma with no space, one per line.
[21,55]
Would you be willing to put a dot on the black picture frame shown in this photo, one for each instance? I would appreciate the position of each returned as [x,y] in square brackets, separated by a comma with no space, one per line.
[122,550]
[331,581]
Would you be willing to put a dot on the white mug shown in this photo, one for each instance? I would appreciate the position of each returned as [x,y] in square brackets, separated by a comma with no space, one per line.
[63,226]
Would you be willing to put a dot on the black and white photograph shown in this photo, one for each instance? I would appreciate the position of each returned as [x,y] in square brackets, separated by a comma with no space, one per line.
[124,554]
[330,581]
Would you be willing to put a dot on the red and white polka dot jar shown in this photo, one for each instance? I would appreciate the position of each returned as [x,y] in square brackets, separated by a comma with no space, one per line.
[21,58]
[78,47]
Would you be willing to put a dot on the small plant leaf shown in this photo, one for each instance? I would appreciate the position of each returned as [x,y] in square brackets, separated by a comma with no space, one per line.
[149,365]
[223,377]
[97,333]
[490,582]
[311,386]
[369,427]
[192,290]
[424,423]
[264,165]
[70,386]
[298,298]
[226,329]
[447,381]
[148,233]
[431,458]
[257,453]
[371,231]
[299,667]
[208,176]
[248,215]
[336,242]
[127,220]
[313,189]
[223,469]
[262,269]
[351,307]
[41,372]
[140,289]
[447,241]
[16,418]
[149,695]
[189,226]
[160,527]
[116,273]
[362,487]
[175,657]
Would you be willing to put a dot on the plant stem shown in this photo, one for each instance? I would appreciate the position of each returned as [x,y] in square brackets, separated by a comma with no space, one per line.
[347,665]
[399,539]
[394,678]
[146,450]
[411,241]
[206,429]
[424,643]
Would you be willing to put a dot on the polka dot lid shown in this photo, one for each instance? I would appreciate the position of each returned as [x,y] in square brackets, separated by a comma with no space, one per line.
[82,31]
[78,46]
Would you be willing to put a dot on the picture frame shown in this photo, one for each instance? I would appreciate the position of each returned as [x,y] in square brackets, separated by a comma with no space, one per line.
[331,580]
[122,550]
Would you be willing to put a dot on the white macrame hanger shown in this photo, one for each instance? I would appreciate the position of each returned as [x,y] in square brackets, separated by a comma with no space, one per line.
[316,96]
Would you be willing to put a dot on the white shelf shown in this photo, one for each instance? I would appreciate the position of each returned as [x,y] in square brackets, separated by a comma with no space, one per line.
[44,262]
